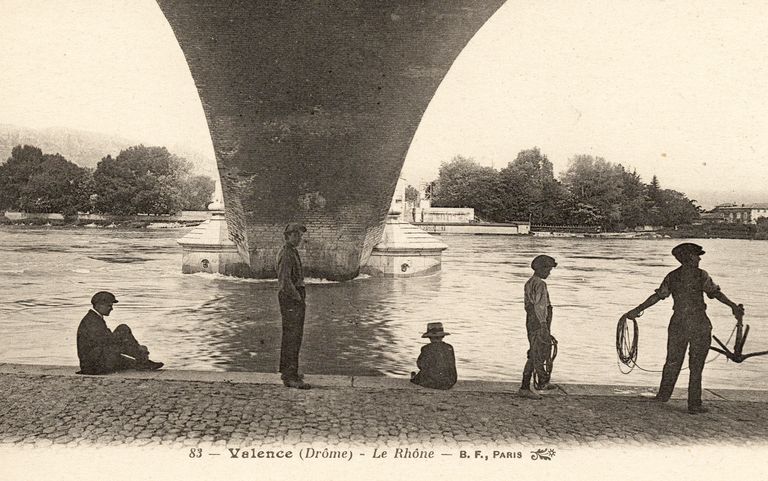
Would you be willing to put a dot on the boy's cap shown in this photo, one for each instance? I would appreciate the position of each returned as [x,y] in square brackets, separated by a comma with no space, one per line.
[103,297]
[294,227]
[542,261]
[687,248]
[435,329]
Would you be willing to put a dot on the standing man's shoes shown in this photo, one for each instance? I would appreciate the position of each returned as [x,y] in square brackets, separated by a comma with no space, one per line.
[547,387]
[528,394]
[660,399]
[296,384]
[697,410]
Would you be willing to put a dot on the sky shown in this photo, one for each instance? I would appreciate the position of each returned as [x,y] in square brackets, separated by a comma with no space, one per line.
[675,89]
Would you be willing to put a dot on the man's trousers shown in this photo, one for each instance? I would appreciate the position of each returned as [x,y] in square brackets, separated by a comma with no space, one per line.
[692,331]
[538,348]
[292,312]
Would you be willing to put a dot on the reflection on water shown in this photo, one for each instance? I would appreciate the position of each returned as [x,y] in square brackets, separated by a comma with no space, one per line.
[371,326]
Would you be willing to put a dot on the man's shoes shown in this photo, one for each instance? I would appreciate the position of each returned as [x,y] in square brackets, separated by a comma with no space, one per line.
[296,384]
[528,394]
[149,365]
[547,387]
[697,410]
[660,399]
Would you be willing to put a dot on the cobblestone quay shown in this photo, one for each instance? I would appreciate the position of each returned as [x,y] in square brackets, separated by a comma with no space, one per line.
[49,405]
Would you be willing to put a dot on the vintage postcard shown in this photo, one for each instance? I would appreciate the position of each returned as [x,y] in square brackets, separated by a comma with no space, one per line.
[468,239]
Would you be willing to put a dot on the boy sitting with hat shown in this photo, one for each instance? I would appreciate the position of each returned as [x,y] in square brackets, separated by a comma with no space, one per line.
[538,319]
[689,327]
[436,362]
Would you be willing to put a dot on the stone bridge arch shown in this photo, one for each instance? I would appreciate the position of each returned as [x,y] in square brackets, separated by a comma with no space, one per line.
[312,106]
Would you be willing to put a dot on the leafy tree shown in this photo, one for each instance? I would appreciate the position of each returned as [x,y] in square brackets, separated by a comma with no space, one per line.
[668,207]
[676,208]
[141,180]
[57,186]
[634,202]
[581,213]
[35,182]
[597,183]
[463,183]
[531,190]
[15,173]
[197,192]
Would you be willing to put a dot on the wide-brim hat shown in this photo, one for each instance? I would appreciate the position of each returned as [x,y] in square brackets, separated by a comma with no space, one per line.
[435,329]
[103,297]
[295,227]
[687,248]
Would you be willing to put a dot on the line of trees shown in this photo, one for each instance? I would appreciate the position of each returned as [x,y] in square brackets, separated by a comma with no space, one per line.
[591,191]
[140,180]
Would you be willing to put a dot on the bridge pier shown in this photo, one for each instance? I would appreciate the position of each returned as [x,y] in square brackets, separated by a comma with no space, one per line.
[312,107]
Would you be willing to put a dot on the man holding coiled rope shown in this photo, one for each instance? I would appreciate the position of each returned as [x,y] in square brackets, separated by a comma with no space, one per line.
[538,320]
[689,324]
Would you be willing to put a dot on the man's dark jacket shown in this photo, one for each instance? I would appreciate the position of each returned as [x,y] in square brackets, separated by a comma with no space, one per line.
[438,366]
[96,346]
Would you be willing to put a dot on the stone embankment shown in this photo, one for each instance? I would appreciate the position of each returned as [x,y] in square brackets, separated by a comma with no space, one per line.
[50,405]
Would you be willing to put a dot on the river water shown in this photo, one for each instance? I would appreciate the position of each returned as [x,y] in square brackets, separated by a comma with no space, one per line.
[372,326]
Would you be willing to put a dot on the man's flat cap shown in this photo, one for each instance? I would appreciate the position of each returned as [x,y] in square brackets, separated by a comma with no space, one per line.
[294,227]
[687,248]
[543,261]
[103,297]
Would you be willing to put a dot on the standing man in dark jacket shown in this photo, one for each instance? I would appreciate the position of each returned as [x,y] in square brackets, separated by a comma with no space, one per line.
[437,363]
[689,327]
[101,350]
[292,298]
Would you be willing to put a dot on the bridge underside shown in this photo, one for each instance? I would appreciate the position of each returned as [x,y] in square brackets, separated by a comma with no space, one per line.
[312,107]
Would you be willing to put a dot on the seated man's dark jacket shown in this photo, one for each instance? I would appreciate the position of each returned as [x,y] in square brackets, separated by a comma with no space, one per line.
[97,348]
[438,366]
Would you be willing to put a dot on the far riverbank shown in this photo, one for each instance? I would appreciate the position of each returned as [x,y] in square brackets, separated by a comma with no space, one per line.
[182,219]
[195,218]
[704,231]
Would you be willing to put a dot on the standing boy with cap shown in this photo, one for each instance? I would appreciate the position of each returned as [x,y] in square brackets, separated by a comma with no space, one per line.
[689,324]
[292,298]
[538,320]
[436,361]
[101,350]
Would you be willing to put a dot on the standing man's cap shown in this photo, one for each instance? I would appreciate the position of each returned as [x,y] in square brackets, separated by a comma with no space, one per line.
[435,329]
[687,248]
[103,297]
[542,261]
[294,227]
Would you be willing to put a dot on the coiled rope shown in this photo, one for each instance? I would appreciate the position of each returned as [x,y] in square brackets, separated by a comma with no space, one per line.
[545,357]
[626,345]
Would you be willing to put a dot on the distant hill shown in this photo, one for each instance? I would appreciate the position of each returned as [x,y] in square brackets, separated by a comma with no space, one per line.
[86,148]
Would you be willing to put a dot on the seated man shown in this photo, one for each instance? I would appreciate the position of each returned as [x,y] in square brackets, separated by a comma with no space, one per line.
[102,351]
[436,361]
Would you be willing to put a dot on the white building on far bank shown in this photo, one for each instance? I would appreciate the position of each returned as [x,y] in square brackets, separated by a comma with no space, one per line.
[742,213]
